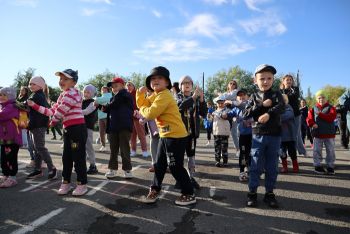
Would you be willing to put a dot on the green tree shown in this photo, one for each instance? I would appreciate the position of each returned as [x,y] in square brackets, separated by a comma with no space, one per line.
[99,81]
[23,78]
[333,93]
[54,93]
[137,79]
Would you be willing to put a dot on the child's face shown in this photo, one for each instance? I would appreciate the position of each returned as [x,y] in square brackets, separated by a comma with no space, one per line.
[264,80]
[288,82]
[116,87]
[186,86]
[3,98]
[159,83]
[242,97]
[321,100]
[221,104]
[66,83]
[87,94]
[22,91]
[208,104]
[33,87]
[130,87]
[104,90]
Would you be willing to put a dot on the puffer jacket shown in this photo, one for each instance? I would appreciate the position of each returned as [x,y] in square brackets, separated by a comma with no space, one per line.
[9,131]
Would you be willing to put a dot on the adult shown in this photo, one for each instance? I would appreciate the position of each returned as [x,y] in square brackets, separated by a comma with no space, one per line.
[138,129]
[102,117]
[231,96]
[288,87]
[305,130]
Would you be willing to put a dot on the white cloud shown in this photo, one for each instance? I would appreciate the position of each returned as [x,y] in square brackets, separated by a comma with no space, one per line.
[91,11]
[157,13]
[26,3]
[206,25]
[252,4]
[216,2]
[181,50]
[270,24]
[109,2]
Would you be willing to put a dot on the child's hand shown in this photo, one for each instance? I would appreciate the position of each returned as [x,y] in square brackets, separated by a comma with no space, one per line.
[267,103]
[315,126]
[264,118]
[30,103]
[143,89]
[224,115]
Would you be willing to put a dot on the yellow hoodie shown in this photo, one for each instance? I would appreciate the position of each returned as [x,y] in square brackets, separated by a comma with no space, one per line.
[163,108]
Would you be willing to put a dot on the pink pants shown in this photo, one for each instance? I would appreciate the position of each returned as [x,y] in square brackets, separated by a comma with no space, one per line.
[139,131]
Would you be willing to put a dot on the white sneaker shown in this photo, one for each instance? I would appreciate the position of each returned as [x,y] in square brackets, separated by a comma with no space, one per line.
[243,177]
[62,146]
[208,143]
[128,175]
[111,174]
[145,154]
[132,153]
[102,149]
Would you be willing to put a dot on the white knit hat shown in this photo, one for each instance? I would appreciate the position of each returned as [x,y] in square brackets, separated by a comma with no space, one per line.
[90,88]
[39,81]
[9,92]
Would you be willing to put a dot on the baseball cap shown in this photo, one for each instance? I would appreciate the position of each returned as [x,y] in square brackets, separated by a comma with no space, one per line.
[69,73]
[265,67]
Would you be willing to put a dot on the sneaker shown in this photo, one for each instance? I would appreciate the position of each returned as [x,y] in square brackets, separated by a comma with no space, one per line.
[53,138]
[132,153]
[195,184]
[243,176]
[252,199]
[102,149]
[185,200]
[218,164]
[92,169]
[31,164]
[225,164]
[152,196]
[145,154]
[208,143]
[62,146]
[128,175]
[111,174]
[35,174]
[270,200]
[320,170]
[9,182]
[2,179]
[64,189]
[330,171]
[52,174]
[151,169]
[80,190]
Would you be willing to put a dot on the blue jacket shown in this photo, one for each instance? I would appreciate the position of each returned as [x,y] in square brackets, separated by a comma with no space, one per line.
[120,112]
[288,124]
[344,100]
[244,126]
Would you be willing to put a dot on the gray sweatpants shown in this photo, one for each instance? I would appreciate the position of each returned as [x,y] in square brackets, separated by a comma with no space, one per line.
[330,153]
[40,151]
[90,152]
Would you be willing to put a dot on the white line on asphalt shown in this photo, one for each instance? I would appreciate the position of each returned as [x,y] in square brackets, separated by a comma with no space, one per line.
[97,188]
[33,186]
[135,168]
[38,222]
[212,191]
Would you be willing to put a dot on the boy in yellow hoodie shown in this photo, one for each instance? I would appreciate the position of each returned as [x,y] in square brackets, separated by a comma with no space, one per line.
[162,107]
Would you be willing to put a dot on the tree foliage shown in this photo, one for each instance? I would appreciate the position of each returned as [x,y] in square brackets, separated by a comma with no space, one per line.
[23,78]
[99,81]
[137,79]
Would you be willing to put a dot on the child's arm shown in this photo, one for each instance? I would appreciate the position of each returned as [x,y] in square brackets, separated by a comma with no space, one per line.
[141,99]
[7,114]
[253,108]
[41,109]
[330,116]
[89,109]
[159,105]
[310,118]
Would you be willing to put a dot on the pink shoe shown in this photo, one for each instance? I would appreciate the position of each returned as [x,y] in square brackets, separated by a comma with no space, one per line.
[9,182]
[80,190]
[2,179]
[64,189]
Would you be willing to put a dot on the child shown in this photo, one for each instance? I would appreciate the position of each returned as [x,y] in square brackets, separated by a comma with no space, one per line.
[10,137]
[320,119]
[191,106]
[208,122]
[221,131]
[245,134]
[265,106]
[38,124]
[305,130]
[90,116]
[68,108]
[119,127]
[173,135]
[102,117]
[289,132]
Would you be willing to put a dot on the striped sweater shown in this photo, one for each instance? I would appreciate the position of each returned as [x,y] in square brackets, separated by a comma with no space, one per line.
[68,108]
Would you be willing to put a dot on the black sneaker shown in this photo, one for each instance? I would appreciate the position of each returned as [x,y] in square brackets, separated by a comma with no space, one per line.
[52,174]
[92,169]
[35,174]
[252,199]
[270,200]
[225,163]
[195,184]
[177,185]
[330,171]
[320,170]
[218,164]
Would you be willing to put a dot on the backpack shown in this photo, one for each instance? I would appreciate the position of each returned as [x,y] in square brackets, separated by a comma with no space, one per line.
[23,120]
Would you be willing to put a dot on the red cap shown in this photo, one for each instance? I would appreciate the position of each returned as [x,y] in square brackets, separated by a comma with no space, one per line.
[116,80]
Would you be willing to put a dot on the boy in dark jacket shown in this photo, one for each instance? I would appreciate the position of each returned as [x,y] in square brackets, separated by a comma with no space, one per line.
[119,127]
[265,107]
[38,124]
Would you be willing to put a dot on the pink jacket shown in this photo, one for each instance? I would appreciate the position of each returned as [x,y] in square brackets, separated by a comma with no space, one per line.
[9,132]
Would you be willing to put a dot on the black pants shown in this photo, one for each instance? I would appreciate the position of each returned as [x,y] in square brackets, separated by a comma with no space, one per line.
[245,145]
[74,152]
[171,151]
[191,146]
[9,163]
[120,141]
[209,131]
[54,129]
[344,132]
[221,146]
[291,148]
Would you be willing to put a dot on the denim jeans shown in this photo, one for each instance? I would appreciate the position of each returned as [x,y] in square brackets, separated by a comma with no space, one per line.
[264,158]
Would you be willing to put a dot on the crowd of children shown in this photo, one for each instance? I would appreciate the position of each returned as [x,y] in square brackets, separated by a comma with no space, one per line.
[265,125]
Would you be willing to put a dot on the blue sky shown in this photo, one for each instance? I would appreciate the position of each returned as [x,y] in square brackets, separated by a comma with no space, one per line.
[187,36]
